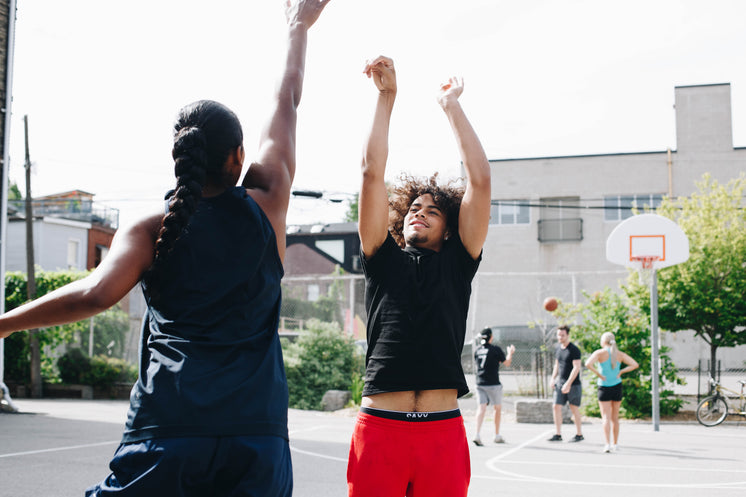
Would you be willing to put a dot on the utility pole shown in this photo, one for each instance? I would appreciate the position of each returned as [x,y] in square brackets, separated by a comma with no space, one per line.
[36,384]
[6,92]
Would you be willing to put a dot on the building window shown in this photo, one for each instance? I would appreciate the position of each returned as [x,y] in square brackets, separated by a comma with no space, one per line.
[619,207]
[560,220]
[72,254]
[509,212]
[101,252]
[312,293]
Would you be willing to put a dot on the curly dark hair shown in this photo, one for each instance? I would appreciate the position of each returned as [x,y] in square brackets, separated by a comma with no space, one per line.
[205,134]
[446,196]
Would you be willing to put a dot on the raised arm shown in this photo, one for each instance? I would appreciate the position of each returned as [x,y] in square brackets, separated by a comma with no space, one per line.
[270,177]
[130,255]
[509,357]
[373,205]
[474,215]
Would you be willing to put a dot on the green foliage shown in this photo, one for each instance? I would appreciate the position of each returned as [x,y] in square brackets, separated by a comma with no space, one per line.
[352,213]
[705,293]
[356,388]
[105,371]
[74,366]
[608,311]
[326,308]
[18,367]
[321,359]
[17,358]
[99,371]
[14,193]
[110,332]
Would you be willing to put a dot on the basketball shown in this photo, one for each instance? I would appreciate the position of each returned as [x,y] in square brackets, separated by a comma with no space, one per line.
[550,304]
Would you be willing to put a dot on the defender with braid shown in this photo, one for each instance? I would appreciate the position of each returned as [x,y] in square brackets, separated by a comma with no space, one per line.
[208,414]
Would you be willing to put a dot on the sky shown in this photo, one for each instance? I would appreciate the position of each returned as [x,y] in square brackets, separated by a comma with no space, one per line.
[101,82]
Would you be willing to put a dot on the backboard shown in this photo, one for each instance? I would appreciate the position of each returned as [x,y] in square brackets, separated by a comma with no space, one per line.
[647,241]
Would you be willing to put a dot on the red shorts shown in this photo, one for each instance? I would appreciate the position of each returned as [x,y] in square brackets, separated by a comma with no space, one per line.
[392,458]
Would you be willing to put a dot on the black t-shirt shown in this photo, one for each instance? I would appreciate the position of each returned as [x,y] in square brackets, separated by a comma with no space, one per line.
[488,358]
[417,301]
[565,357]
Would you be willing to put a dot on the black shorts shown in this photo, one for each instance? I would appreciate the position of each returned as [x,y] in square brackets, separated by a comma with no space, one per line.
[613,393]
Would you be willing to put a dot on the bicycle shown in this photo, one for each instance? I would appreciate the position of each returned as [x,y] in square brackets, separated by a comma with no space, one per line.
[713,409]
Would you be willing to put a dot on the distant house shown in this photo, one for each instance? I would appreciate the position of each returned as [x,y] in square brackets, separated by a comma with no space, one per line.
[314,253]
[70,232]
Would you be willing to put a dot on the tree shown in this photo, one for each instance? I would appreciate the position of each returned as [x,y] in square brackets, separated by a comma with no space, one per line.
[609,311]
[706,293]
[17,350]
[352,212]
[14,193]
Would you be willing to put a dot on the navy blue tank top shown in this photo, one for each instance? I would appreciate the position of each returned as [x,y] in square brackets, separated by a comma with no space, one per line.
[210,356]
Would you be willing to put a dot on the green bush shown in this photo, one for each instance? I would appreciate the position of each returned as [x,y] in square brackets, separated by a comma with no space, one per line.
[322,359]
[99,371]
[105,371]
[74,365]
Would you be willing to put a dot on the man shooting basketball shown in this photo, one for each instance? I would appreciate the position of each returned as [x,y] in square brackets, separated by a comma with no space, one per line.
[418,272]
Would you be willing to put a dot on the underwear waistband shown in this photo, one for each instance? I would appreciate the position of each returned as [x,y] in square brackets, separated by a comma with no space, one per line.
[411,416]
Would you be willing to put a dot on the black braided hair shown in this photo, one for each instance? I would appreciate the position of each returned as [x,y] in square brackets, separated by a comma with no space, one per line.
[205,134]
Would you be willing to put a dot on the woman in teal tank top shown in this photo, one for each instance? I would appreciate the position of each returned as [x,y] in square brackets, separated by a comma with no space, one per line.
[609,373]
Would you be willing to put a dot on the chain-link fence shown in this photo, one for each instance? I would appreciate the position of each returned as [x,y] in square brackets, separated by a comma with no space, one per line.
[335,299]
[340,299]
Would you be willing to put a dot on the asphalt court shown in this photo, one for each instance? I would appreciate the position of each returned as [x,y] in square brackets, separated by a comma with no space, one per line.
[59,447]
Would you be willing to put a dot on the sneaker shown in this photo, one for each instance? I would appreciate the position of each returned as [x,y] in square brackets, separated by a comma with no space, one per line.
[478,442]
[607,448]
[556,438]
[499,439]
[577,438]
[614,448]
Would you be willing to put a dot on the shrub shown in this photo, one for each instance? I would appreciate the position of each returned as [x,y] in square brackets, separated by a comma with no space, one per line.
[74,365]
[322,359]
[105,371]
[99,371]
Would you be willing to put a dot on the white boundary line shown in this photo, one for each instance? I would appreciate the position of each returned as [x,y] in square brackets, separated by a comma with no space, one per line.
[315,454]
[509,475]
[59,449]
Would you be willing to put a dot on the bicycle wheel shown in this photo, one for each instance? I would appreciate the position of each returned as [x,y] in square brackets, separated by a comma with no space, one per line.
[712,410]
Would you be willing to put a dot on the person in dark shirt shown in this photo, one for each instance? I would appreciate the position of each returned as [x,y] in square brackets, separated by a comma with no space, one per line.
[566,383]
[208,414]
[418,269]
[488,358]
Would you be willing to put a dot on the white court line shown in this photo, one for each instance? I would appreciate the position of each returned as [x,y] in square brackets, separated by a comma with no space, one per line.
[516,449]
[492,465]
[315,454]
[616,466]
[312,428]
[58,449]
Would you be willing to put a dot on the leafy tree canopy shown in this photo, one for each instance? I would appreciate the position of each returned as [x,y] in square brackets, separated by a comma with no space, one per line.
[706,293]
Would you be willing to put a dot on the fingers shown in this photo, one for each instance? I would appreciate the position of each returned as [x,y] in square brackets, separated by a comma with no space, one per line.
[379,63]
[453,82]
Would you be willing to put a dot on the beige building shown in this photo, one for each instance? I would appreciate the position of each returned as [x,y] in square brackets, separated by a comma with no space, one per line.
[551,216]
